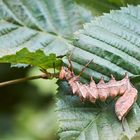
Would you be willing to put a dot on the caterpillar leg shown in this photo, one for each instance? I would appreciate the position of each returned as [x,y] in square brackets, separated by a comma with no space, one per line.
[123,119]
[85,67]
[70,67]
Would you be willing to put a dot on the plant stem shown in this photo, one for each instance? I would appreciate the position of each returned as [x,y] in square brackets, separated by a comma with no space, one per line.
[24,79]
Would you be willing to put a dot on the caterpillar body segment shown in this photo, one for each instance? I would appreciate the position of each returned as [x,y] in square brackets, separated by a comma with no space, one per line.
[126,101]
[101,91]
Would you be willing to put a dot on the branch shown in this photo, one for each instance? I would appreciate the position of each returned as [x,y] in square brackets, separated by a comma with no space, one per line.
[20,80]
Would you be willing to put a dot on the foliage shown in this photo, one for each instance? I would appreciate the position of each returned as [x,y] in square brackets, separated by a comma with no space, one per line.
[112,41]
[38,32]
[37,25]
[42,60]
[87,121]
[98,7]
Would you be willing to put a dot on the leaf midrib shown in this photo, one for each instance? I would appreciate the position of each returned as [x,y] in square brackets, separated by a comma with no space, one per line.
[89,124]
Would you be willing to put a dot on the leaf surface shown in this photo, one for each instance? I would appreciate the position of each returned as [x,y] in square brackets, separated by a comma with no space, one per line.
[87,121]
[113,42]
[26,57]
[38,25]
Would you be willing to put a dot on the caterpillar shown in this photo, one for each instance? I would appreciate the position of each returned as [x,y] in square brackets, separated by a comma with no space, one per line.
[126,92]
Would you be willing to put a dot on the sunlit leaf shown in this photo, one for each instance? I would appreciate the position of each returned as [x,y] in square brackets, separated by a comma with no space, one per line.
[38,25]
[113,42]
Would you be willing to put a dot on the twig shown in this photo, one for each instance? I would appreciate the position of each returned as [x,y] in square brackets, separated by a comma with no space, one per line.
[20,80]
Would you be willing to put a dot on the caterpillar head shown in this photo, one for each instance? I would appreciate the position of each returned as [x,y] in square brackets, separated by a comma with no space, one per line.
[65,73]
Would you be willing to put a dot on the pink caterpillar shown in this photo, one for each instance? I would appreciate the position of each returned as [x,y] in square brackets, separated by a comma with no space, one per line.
[92,91]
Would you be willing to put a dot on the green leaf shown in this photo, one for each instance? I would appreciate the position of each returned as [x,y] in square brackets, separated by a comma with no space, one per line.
[38,25]
[124,2]
[113,42]
[135,79]
[87,121]
[37,58]
[98,7]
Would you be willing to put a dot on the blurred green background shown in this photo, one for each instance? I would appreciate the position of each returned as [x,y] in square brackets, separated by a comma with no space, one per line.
[26,110]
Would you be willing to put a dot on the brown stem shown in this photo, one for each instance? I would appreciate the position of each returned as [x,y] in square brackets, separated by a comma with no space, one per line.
[46,76]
